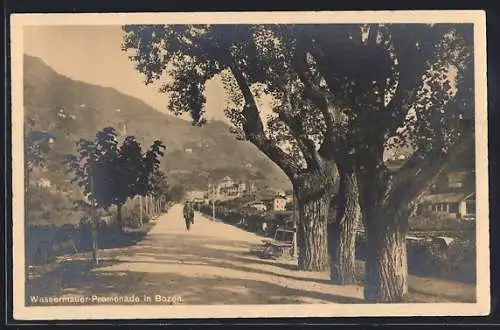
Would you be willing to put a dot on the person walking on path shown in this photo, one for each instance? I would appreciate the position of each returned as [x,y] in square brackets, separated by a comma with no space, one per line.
[188,215]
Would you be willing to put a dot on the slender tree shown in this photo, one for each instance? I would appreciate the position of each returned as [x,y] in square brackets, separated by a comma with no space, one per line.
[160,190]
[116,172]
[127,173]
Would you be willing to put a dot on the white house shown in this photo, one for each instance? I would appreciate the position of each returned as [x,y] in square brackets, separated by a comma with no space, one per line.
[259,207]
[450,205]
[279,204]
[44,183]
[229,189]
[226,182]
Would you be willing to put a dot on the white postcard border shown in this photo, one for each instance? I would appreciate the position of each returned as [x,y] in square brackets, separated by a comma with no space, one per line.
[481,307]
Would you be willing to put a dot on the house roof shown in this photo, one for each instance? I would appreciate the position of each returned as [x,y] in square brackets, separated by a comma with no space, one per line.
[447,197]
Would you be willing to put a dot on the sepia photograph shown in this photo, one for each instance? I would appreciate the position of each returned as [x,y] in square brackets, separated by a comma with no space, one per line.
[273,164]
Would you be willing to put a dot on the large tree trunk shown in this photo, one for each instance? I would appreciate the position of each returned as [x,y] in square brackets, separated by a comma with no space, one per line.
[386,269]
[343,230]
[312,234]
[313,191]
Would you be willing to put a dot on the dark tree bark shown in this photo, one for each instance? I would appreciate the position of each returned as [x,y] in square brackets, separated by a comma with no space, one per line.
[314,191]
[343,231]
[312,234]
[386,269]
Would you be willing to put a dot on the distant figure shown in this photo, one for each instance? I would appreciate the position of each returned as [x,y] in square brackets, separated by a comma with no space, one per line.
[264,228]
[188,215]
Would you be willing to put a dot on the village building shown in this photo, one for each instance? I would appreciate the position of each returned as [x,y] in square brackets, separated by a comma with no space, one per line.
[452,195]
[229,189]
[44,183]
[242,187]
[454,205]
[279,204]
[259,207]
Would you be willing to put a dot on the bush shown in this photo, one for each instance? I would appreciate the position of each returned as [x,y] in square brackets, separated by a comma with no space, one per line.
[460,262]
[457,262]
[45,242]
[433,222]
[146,218]
[131,216]
[45,207]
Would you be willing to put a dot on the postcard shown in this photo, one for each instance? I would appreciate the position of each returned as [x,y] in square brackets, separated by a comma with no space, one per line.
[249,165]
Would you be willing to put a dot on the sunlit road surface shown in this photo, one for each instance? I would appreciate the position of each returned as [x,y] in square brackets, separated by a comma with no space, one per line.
[213,264]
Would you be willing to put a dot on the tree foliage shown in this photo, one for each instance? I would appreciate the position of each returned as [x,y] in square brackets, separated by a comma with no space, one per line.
[351,91]
[117,172]
[160,186]
[37,143]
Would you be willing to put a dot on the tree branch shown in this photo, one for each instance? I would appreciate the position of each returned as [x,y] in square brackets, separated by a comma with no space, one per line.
[254,130]
[412,64]
[314,93]
[397,109]
[298,132]
[372,35]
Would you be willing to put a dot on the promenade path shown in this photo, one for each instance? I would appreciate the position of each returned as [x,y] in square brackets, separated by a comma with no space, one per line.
[212,264]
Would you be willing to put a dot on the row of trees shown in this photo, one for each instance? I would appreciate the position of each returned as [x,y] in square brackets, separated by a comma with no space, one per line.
[110,173]
[343,95]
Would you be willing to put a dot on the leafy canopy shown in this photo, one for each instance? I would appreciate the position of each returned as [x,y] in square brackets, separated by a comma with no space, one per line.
[111,173]
[348,89]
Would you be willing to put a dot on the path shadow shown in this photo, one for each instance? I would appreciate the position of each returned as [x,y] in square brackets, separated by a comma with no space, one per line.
[199,290]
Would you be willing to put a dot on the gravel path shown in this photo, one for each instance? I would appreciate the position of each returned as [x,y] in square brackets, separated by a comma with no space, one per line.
[210,264]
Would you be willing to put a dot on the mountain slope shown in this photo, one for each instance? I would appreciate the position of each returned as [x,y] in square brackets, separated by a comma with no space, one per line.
[71,110]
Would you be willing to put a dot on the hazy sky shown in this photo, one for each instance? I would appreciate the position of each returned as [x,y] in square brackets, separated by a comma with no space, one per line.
[93,54]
